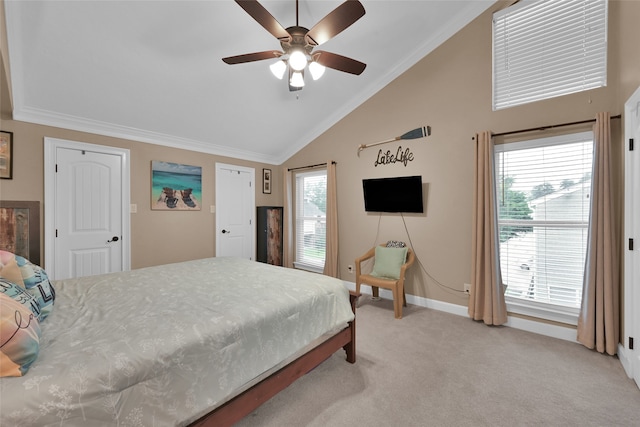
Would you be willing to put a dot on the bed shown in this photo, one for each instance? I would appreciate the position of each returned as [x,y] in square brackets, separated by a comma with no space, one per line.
[198,343]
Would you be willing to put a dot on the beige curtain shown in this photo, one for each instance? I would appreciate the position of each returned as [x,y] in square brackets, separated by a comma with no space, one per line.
[287,221]
[331,257]
[598,324]
[486,301]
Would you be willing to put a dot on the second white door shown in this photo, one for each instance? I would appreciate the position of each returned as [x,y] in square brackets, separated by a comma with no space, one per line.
[235,211]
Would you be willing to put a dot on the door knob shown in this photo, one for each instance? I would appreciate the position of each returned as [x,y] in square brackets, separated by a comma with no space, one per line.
[113,239]
[225,231]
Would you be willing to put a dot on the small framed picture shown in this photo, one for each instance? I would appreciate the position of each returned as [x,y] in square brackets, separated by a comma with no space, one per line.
[6,154]
[266,181]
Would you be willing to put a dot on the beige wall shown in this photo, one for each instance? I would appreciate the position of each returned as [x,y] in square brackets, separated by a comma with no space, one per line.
[450,90]
[5,89]
[157,237]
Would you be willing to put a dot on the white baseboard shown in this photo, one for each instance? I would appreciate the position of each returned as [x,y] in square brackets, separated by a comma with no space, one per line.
[555,331]
[624,360]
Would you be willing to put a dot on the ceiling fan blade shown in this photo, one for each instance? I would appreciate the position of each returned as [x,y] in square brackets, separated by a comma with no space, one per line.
[264,18]
[339,62]
[250,57]
[335,22]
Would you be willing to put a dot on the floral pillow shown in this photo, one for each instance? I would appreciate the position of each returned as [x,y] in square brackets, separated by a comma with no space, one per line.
[396,244]
[19,336]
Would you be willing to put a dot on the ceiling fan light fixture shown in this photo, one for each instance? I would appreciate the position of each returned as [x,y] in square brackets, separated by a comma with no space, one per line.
[297,60]
[298,42]
[278,69]
[296,79]
[317,70]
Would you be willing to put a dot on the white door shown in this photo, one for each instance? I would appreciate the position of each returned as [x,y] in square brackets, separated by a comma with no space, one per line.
[632,231]
[235,211]
[88,221]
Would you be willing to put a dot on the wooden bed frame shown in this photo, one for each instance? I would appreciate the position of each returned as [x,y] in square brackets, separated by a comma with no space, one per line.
[246,402]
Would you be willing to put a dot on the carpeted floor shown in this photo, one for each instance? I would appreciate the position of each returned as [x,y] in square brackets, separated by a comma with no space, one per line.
[437,369]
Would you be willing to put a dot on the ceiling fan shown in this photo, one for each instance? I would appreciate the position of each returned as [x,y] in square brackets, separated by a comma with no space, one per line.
[298,43]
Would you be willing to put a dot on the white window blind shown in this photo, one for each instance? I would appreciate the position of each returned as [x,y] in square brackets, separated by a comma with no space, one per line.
[311,219]
[543,194]
[543,49]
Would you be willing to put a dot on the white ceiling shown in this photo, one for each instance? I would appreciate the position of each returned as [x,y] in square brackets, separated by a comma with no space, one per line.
[151,71]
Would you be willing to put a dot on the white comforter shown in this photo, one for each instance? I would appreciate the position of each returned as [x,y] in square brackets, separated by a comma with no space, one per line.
[164,345]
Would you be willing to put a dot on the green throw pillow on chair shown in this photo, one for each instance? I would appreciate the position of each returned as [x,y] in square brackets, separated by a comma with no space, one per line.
[388,262]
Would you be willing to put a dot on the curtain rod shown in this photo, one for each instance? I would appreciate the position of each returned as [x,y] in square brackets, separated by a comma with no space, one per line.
[311,166]
[550,127]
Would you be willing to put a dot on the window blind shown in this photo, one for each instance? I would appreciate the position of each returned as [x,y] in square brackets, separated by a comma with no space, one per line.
[543,191]
[311,219]
[543,49]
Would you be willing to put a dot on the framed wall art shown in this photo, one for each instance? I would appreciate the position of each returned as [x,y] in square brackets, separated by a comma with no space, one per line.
[175,186]
[20,229]
[266,181]
[6,154]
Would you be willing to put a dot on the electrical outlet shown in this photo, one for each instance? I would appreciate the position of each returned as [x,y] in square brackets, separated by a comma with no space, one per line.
[467,288]
[350,268]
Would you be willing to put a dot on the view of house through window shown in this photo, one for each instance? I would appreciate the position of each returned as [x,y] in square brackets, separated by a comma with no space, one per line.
[542,191]
[311,219]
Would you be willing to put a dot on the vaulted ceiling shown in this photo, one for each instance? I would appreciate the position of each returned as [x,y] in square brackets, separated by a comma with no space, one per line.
[151,71]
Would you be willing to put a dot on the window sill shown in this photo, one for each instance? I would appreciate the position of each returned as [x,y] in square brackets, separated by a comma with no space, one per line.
[566,315]
[308,267]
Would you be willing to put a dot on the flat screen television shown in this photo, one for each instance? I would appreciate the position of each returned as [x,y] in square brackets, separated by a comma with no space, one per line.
[398,194]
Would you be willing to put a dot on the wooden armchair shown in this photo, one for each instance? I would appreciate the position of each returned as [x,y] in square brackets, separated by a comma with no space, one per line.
[395,285]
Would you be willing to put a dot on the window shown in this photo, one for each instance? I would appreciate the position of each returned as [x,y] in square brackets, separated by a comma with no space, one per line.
[542,191]
[311,220]
[544,49]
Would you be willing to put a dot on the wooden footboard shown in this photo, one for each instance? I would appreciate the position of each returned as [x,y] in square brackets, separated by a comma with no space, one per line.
[245,403]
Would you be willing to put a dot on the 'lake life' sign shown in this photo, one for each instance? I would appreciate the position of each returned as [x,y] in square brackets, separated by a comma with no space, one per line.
[387,158]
